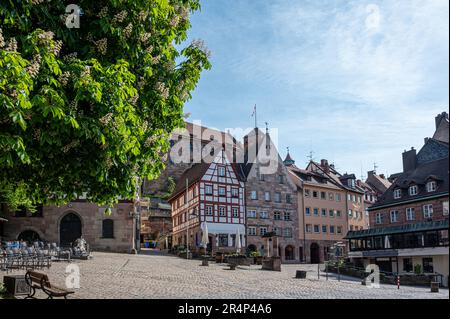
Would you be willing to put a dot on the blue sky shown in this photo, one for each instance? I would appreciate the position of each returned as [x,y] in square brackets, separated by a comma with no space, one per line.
[356,82]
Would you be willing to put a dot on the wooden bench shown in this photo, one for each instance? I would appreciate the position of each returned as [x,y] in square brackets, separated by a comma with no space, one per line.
[38,280]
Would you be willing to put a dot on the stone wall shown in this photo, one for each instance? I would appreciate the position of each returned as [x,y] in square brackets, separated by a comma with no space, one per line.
[91,216]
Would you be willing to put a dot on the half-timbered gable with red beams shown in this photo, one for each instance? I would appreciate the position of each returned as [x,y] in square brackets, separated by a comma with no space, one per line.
[216,199]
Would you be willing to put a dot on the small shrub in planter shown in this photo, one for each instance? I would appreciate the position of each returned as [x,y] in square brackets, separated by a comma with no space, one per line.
[418,269]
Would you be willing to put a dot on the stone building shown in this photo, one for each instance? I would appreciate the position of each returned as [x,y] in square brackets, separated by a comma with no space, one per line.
[65,224]
[410,220]
[156,223]
[271,201]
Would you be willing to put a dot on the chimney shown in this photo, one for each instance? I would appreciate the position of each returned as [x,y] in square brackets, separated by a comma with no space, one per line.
[382,176]
[441,117]
[426,140]
[324,165]
[409,160]
[370,173]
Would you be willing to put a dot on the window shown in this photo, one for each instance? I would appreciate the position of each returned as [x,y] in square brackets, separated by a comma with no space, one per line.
[349,197]
[262,177]
[39,211]
[445,208]
[351,227]
[431,186]
[307,193]
[21,212]
[194,191]
[252,231]
[235,192]
[307,211]
[287,232]
[407,265]
[324,229]
[308,228]
[394,216]
[281,179]
[350,213]
[410,214]
[324,212]
[323,195]
[222,211]
[222,191]
[359,199]
[397,193]
[235,212]
[208,189]
[288,199]
[209,210]
[427,265]
[354,198]
[339,229]
[264,215]
[316,229]
[277,215]
[330,196]
[338,213]
[331,212]
[277,197]
[262,231]
[277,231]
[254,195]
[428,211]
[338,197]
[315,194]
[251,214]
[413,190]
[287,216]
[221,171]
[108,228]
[223,240]
[332,229]
[316,212]
[378,218]
[267,196]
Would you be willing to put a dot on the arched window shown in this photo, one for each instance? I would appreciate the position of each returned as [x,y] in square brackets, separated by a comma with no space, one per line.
[108,228]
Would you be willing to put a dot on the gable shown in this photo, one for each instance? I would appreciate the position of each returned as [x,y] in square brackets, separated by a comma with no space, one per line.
[432,151]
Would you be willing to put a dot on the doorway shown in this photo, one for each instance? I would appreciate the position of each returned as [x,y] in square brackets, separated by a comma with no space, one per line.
[69,229]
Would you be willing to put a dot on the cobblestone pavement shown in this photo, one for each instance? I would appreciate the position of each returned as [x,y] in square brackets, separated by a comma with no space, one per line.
[160,277]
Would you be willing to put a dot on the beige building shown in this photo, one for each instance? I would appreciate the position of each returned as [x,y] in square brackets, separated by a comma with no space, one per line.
[329,204]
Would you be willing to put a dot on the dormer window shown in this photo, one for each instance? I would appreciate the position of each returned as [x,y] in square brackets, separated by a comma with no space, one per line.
[431,186]
[351,183]
[397,193]
[413,190]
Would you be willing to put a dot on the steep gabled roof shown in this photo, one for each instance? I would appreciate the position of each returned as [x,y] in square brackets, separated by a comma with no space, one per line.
[193,175]
[437,170]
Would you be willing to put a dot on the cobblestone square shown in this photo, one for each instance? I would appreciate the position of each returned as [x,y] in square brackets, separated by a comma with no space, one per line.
[120,276]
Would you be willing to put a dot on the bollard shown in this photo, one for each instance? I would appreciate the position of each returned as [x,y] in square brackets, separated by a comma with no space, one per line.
[434,287]
[398,282]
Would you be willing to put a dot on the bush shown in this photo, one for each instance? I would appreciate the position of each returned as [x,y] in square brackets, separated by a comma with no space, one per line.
[255,254]
[418,269]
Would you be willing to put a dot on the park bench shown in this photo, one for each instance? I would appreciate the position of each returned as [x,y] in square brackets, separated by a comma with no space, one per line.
[40,281]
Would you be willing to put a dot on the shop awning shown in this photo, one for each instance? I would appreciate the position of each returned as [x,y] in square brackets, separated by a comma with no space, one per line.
[402,229]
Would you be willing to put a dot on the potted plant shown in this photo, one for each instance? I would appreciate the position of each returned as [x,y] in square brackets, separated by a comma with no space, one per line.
[418,269]
[257,258]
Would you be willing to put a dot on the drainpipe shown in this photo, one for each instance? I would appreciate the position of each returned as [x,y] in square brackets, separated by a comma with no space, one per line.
[304,226]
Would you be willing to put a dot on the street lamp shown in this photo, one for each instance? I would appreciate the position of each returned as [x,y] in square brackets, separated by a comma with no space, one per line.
[189,217]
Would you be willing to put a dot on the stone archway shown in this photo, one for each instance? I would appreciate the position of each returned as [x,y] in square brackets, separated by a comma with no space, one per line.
[289,252]
[29,236]
[315,253]
[70,229]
